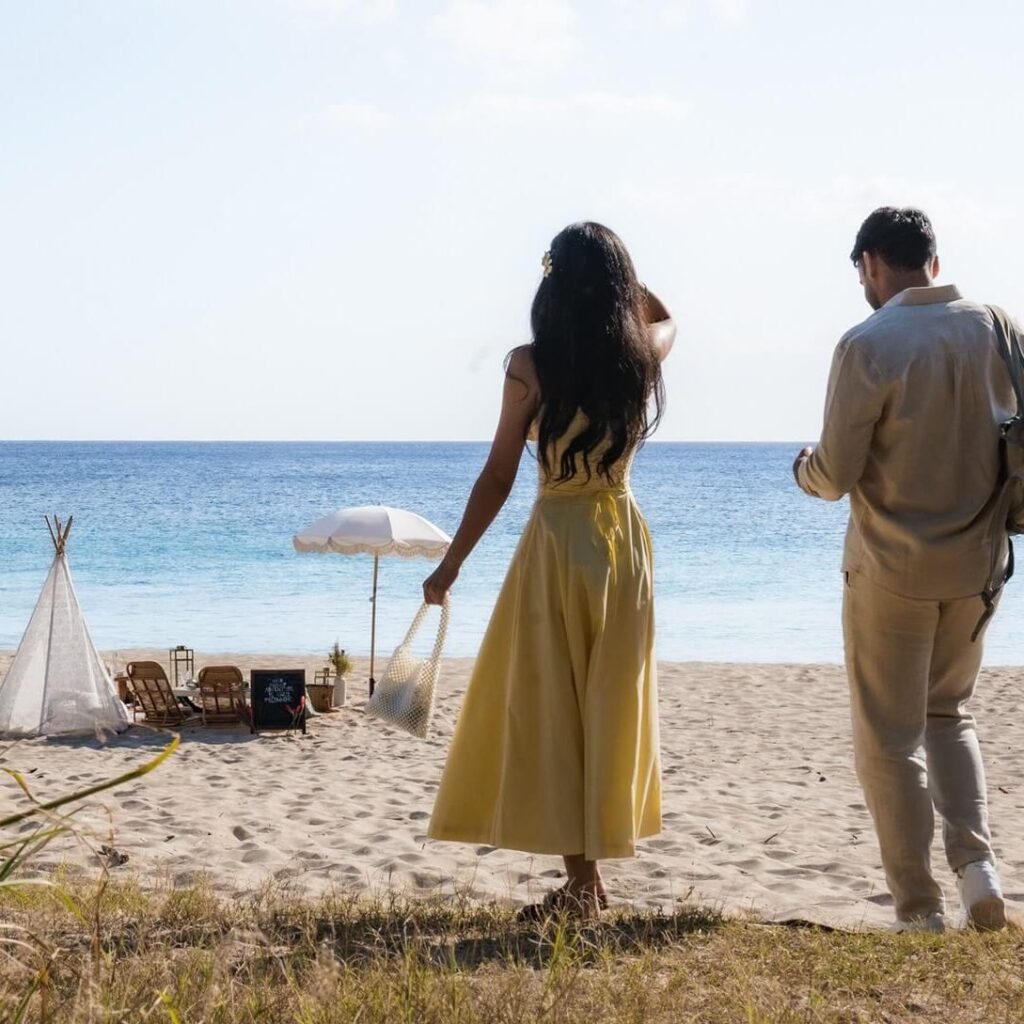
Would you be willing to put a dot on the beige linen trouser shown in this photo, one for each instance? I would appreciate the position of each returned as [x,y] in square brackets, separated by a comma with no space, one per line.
[911,667]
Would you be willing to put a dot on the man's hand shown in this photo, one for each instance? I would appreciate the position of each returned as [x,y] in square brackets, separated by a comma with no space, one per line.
[805,454]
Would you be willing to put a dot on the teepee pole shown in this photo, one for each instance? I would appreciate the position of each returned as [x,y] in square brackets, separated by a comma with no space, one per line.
[373,623]
[49,635]
[59,532]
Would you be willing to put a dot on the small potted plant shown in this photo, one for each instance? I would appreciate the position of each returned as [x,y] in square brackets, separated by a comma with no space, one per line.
[342,665]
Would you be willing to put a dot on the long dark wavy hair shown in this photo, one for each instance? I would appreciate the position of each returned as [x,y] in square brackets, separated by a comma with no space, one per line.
[592,353]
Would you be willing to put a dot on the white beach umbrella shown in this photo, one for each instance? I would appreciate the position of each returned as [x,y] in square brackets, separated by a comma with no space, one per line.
[373,530]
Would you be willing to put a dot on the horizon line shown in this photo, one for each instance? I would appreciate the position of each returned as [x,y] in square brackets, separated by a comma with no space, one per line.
[283,441]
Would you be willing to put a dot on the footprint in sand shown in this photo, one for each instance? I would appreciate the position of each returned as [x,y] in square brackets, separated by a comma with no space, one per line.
[791,872]
[240,833]
[418,815]
[746,865]
[666,845]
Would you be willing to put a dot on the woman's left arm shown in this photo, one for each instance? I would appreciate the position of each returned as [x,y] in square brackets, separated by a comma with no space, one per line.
[494,484]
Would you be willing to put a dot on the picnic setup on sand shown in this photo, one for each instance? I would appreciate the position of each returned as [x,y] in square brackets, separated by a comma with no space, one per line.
[58,684]
[272,699]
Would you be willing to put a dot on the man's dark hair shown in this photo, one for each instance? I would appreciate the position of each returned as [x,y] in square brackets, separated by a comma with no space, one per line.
[905,238]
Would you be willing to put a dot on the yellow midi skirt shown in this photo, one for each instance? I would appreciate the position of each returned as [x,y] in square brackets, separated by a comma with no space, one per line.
[556,747]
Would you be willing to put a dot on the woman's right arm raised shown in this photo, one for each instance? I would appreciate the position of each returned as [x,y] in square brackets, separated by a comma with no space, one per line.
[519,404]
[660,326]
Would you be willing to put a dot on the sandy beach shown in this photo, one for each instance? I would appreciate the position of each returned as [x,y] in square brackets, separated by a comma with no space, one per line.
[762,812]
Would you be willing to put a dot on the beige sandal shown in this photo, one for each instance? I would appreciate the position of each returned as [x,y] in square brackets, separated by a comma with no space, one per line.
[562,902]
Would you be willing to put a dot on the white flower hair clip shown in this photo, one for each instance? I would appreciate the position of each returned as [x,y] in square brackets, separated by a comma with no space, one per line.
[546,263]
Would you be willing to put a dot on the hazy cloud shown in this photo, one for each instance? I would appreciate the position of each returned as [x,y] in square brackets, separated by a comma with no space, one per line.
[496,108]
[511,36]
[731,11]
[850,199]
[673,14]
[844,200]
[351,113]
[361,10]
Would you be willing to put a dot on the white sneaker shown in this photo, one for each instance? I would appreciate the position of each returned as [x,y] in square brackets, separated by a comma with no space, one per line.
[981,897]
[933,923]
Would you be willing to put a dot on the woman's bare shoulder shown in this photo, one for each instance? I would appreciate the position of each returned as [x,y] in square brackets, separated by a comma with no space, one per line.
[521,367]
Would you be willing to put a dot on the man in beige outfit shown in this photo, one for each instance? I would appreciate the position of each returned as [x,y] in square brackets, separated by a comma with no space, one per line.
[915,399]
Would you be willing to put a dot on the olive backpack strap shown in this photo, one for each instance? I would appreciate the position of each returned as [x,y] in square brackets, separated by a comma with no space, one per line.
[1011,432]
[1010,350]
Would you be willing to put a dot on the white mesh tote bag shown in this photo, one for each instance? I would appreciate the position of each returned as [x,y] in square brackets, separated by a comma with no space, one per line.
[405,694]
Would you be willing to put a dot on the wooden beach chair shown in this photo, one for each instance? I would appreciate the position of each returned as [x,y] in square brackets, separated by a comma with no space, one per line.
[222,696]
[154,696]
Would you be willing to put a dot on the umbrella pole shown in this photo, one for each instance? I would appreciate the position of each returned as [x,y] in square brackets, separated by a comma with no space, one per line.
[373,622]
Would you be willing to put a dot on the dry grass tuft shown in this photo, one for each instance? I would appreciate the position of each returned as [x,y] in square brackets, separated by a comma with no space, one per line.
[191,956]
[88,952]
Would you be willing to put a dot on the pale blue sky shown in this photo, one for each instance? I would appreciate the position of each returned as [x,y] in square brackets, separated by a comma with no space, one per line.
[323,219]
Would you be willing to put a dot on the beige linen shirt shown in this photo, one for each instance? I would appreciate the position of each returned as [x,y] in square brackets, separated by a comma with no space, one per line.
[915,399]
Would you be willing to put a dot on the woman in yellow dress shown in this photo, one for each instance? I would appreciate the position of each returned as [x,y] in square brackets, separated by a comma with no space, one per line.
[556,747]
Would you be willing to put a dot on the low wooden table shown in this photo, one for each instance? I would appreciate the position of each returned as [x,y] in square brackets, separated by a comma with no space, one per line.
[121,682]
[321,696]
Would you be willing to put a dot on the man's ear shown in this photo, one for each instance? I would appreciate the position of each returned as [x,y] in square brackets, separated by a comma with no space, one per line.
[936,266]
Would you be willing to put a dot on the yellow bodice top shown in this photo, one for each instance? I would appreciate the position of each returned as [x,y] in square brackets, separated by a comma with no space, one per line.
[580,484]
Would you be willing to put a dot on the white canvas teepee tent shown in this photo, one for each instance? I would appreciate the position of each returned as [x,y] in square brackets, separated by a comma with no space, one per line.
[57,683]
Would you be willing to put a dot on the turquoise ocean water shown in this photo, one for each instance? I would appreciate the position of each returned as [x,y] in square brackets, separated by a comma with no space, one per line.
[191,544]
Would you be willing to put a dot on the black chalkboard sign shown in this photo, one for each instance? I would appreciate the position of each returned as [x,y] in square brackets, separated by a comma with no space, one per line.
[278,698]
